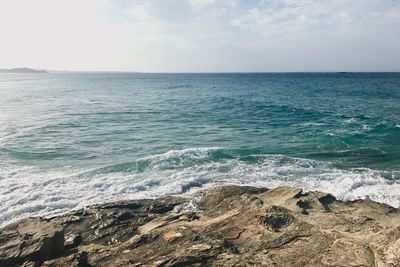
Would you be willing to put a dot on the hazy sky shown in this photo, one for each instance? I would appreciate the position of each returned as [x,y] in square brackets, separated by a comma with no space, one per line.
[201,35]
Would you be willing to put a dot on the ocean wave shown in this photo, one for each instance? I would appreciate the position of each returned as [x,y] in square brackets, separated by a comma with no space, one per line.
[32,192]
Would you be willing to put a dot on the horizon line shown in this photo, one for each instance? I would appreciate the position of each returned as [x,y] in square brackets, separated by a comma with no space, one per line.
[217,72]
[202,72]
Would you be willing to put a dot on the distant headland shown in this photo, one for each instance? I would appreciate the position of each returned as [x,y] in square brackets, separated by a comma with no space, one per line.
[21,70]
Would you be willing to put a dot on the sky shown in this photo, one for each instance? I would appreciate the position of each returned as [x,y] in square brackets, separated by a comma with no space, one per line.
[201,35]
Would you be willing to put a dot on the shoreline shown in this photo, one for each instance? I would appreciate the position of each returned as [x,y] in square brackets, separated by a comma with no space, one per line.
[187,193]
[221,225]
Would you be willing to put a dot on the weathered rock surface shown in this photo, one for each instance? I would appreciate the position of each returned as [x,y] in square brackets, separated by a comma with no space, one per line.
[230,226]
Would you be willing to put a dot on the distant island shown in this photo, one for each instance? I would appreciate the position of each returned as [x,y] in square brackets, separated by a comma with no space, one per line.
[21,70]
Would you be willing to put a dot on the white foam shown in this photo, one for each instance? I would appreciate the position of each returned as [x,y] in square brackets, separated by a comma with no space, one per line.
[308,124]
[31,192]
[193,153]
[350,120]
[366,127]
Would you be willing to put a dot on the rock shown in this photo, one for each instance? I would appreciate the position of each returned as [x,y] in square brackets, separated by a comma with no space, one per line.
[171,235]
[72,240]
[32,240]
[225,226]
[276,218]
[78,259]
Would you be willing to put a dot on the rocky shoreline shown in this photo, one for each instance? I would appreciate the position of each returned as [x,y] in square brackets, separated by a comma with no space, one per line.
[221,226]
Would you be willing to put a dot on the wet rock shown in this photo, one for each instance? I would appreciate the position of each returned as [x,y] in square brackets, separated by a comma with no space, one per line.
[223,226]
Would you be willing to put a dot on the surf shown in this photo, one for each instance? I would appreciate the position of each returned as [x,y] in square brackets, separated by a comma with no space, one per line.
[183,171]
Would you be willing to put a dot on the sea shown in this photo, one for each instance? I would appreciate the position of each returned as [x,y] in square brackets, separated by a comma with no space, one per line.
[68,140]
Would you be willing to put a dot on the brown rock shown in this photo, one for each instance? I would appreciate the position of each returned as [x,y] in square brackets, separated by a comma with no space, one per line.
[232,226]
[171,235]
[31,240]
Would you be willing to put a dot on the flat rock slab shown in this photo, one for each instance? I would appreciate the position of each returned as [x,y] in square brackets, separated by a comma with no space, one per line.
[224,226]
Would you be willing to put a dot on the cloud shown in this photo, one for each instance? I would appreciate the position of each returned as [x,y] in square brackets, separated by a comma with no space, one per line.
[262,17]
[287,16]
[201,35]
[199,4]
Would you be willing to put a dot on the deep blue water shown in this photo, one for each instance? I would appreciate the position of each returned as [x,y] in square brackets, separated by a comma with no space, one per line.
[71,139]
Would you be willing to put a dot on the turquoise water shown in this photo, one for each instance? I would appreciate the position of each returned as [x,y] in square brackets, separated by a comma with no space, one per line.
[72,139]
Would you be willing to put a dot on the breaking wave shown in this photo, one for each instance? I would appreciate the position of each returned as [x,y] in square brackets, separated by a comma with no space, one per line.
[26,191]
